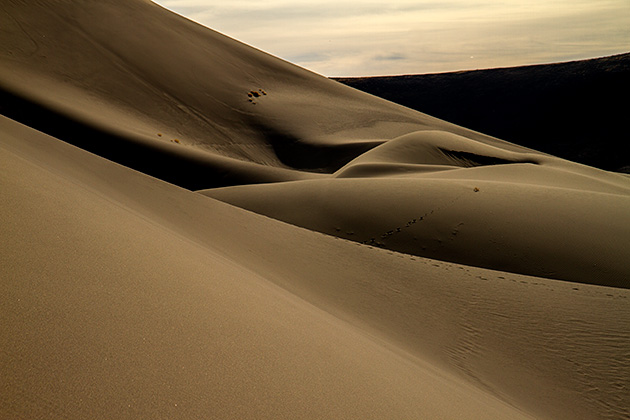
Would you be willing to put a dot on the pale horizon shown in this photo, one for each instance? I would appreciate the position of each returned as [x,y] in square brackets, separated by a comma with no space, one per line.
[352,38]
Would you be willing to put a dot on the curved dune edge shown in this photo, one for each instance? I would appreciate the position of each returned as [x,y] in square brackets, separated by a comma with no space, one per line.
[439,195]
[486,224]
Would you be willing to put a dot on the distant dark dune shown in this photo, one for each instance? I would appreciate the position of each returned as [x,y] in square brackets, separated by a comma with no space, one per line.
[575,110]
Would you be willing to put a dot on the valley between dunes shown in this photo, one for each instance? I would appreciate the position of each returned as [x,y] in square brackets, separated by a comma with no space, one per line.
[192,228]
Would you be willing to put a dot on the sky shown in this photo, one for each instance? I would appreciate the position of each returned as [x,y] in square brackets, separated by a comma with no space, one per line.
[368,38]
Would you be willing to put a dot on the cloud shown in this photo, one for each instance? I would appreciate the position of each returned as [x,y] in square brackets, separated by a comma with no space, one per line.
[390,57]
[352,37]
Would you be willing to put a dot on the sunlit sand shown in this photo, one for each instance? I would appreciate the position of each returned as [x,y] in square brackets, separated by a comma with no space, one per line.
[192,228]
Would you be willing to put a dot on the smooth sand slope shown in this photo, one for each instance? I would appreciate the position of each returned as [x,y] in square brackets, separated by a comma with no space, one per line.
[113,307]
[440,195]
[125,295]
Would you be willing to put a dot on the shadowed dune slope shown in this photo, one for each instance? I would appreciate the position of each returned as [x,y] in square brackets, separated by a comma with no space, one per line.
[572,110]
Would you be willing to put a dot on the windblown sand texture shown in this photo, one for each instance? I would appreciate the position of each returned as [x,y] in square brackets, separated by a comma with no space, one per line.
[191,228]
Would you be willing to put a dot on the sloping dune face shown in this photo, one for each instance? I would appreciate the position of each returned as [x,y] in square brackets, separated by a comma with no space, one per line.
[439,195]
[112,307]
[457,276]
[127,297]
[130,79]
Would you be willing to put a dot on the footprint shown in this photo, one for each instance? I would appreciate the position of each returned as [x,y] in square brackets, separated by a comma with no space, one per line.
[253,94]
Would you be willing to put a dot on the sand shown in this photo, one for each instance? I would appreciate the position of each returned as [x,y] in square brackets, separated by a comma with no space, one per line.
[208,231]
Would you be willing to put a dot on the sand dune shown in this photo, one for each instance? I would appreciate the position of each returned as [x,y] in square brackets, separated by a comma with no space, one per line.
[438,195]
[565,109]
[426,270]
[112,309]
[181,93]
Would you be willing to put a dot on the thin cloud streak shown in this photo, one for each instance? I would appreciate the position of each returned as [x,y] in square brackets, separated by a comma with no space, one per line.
[358,38]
